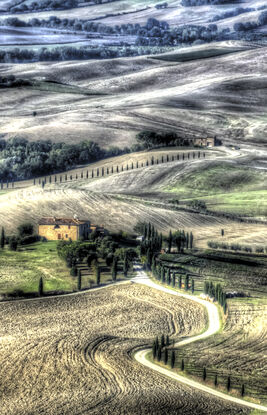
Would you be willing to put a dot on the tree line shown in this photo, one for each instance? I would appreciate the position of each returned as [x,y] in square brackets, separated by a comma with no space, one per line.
[237,247]
[161,352]
[107,248]
[21,159]
[215,291]
[24,235]
[153,34]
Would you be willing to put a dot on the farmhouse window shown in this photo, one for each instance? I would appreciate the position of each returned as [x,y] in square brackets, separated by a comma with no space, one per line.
[59,236]
[66,235]
[69,226]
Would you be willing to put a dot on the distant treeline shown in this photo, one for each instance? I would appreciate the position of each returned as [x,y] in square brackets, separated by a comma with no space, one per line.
[24,7]
[235,12]
[152,35]
[192,3]
[65,53]
[21,159]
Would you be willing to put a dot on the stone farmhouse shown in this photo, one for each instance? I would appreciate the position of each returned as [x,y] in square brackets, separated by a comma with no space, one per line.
[204,142]
[63,228]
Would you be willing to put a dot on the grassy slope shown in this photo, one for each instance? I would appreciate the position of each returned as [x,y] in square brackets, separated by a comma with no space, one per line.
[225,188]
[22,269]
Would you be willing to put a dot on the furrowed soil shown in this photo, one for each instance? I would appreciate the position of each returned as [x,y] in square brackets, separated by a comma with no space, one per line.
[86,341]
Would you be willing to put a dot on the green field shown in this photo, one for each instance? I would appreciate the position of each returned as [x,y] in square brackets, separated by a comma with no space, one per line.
[196,54]
[22,269]
[225,188]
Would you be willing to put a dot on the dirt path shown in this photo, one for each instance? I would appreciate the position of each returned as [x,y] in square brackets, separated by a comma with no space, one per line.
[214,326]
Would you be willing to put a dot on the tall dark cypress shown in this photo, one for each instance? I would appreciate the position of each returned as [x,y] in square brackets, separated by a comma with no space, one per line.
[3,238]
[79,283]
[166,356]
[41,287]
[172,359]
[170,241]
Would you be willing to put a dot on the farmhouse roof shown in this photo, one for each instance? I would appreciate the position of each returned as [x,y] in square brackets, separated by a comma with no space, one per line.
[62,221]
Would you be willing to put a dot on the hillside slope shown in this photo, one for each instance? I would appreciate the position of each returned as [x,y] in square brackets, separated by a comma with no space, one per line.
[222,95]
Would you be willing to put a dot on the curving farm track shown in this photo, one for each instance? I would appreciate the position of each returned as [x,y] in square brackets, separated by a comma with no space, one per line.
[72,354]
[213,327]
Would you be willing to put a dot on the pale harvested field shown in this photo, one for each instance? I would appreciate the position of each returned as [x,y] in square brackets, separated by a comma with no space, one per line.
[138,11]
[240,350]
[221,96]
[87,347]
[114,213]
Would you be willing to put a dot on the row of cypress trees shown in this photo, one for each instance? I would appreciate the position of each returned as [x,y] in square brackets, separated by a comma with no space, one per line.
[102,171]
[160,352]
[216,291]
[167,277]
[180,239]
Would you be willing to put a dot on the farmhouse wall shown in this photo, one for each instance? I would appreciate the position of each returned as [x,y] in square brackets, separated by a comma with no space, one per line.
[52,232]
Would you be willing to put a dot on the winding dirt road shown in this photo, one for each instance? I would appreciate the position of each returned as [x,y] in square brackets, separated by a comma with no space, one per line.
[213,327]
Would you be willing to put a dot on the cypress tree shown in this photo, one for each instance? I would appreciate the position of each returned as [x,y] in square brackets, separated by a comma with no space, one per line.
[98,274]
[79,283]
[182,365]
[149,231]
[154,350]
[191,239]
[170,241]
[172,359]
[193,286]
[167,340]
[173,279]
[228,383]
[153,268]
[162,341]
[157,343]
[216,380]
[225,307]
[41,287]
[243,390]
[204,374]
[3,239]
[206,287]
[187,240]
[159,354]
[149,257]
[162,275]
[125,266]
[186,282]
[114,269]
[180,282]
[166,356]
[168,276]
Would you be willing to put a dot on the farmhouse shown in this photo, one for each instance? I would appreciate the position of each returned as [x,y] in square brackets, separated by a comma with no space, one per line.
[204,142]
[63,228]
